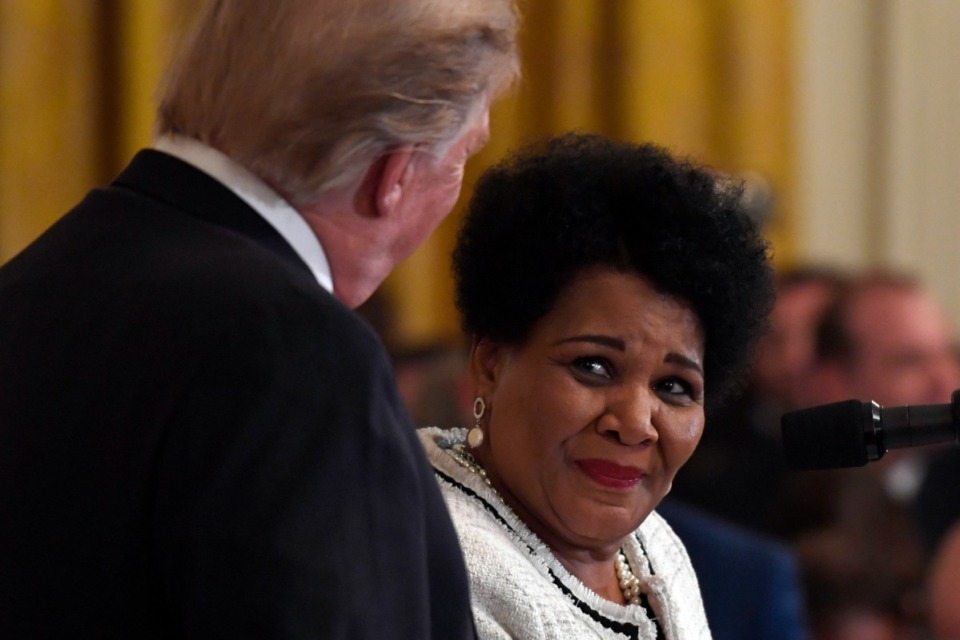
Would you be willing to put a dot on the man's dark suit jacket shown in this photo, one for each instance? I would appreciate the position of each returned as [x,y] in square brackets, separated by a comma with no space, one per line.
[750,585]
[197,440]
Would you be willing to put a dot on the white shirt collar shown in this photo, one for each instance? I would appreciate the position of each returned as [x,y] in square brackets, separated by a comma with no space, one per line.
[261,198]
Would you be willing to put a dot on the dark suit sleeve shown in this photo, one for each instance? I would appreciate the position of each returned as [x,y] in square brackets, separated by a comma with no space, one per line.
[292,498]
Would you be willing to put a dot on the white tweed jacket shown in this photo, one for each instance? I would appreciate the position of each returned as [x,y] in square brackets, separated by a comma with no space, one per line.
[520,590]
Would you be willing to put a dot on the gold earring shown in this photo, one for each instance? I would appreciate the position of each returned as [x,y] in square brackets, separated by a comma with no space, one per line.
[475,436]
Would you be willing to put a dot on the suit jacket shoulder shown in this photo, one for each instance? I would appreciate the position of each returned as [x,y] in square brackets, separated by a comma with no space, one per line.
[221,438]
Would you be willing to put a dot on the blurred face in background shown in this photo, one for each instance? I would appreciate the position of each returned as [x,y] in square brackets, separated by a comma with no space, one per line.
[904,349]
[785,354]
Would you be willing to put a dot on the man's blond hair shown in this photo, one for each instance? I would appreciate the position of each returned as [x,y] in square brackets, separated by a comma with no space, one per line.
[306,93]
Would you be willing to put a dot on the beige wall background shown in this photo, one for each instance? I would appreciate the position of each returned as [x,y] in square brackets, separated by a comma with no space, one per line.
[845,108]
[878,136]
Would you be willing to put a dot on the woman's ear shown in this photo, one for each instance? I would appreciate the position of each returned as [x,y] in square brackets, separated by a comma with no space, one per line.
[486,359]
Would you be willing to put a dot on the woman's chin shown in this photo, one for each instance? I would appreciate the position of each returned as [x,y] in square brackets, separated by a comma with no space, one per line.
[604,524]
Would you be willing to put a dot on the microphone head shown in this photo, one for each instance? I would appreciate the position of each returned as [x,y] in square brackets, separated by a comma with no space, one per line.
[827,437]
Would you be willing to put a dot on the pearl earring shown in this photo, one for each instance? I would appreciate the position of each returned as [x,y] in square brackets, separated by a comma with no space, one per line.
[475,436]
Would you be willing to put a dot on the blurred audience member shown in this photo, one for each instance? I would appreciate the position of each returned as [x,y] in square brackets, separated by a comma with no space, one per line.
[750,585]
[883,338]
[853,594]
[886,339]
[860,562]
[784,358]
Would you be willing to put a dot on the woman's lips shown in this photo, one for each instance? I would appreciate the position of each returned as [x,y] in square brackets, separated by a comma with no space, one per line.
[611,474]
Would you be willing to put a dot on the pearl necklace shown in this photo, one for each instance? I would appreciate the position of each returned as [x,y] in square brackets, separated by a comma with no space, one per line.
[466,460]
[629,583]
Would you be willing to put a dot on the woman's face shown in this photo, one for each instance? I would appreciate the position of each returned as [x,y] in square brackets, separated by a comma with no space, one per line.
[590,419]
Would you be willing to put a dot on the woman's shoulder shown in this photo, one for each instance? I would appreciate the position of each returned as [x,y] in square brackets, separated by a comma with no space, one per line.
[671,583]
[659,540]
[507,590]
[483,522]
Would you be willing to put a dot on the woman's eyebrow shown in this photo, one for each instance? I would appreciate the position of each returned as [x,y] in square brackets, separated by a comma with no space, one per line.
[620,345]
[609,341]
[684,361]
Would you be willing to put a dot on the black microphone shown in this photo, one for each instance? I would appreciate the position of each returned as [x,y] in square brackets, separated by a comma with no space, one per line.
[853,433]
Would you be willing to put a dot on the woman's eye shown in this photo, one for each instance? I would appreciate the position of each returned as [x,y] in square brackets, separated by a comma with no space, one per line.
[594,367]
[674,387]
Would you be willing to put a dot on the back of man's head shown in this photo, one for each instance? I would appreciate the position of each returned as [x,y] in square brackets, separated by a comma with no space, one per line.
[306,93]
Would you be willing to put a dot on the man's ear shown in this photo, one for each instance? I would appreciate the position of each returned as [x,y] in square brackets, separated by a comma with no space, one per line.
[384,183]
[486,361]
[398,166]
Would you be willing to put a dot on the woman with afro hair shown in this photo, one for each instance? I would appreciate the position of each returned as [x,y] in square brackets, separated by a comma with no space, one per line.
[613,295]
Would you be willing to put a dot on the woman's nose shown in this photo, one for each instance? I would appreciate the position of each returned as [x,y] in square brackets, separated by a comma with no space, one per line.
[629,418]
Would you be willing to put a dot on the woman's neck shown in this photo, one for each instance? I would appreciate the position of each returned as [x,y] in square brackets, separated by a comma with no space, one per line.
[596,571]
